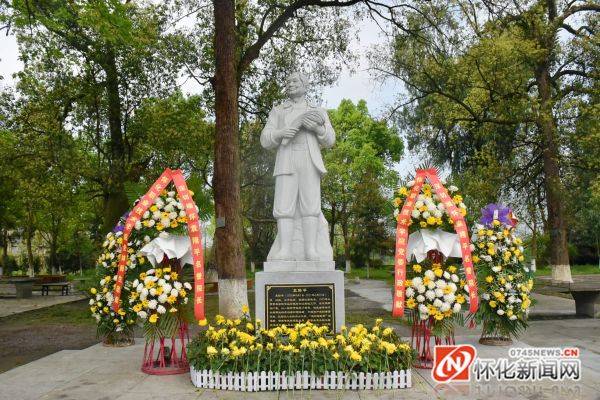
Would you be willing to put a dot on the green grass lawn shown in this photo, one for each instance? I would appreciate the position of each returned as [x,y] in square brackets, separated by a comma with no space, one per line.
[385,273]
[575,270]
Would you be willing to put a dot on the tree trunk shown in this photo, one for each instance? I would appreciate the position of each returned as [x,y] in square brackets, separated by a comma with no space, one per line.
[115,199]
[346,235]
[332,225]
[226,179]
[559,252]
[28,240]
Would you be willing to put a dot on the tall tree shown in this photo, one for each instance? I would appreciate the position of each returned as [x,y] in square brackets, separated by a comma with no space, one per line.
[497,85]
[360,164]
[239,36]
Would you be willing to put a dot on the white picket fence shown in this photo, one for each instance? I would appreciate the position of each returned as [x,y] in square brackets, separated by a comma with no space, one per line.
[267,381]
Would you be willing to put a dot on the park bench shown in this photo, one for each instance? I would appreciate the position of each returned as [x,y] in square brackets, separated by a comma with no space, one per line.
[585,290]
[64,288]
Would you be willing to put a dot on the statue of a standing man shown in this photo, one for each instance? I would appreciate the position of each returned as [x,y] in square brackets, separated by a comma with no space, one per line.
[298,130]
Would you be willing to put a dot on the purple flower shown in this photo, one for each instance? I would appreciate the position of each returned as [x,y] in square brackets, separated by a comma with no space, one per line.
[496,211]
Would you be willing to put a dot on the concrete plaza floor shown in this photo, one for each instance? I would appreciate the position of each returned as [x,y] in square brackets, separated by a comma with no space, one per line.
[99,373]
[102,373]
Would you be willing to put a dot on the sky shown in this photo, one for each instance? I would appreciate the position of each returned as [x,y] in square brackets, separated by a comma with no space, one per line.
[354,85]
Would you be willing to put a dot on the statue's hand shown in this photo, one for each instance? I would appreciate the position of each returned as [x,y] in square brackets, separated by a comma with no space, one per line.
[314,122]
[287,133]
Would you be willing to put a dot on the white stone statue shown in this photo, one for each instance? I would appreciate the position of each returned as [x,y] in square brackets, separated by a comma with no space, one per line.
[298,130]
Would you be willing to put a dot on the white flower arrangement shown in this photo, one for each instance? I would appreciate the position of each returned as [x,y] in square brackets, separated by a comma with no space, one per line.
[435,292]
[158,292]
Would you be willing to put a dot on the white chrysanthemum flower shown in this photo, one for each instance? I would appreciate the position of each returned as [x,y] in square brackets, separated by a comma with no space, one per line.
[161,309]
[430,294]
[439,293]
[185,300]
[169,208]
[138,225]
[156,215]
[151,223]
[426,214]
[152,304]
[496,268]
[92,302]
[161,282]
[187,285]
[432,208]
[396,212]
[415,213]
[437,214]
[452,189]
[162,298]
[441,206]
[485,296]
[182,213]
[417,281]
[454,278]
[142,314]
[440,283]
[177,285]
[512,299]
[444,307]
[167,287]
[437,303]
[174,292]
[410,183]
[423,308]
[430,274]
[98,296]
[163,235]
[419,203]
[512,317]
[420,298]
[452,286]
[449,298]
[171,193]
[431,285]
[421,288]
[102,282]
[456,308]
[410,292]
[165,222]
[173,215]
[446,275]
[500,311]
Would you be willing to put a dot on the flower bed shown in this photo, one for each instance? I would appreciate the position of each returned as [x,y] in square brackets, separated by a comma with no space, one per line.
[240,355]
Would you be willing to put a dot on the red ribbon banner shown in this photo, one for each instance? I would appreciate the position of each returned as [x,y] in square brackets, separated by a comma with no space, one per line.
[194,231]
[460,227]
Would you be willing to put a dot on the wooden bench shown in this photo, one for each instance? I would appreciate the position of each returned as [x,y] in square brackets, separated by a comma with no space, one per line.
[585,290]
[64,288]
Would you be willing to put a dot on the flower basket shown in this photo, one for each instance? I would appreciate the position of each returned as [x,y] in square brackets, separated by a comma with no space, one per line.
[275,381]
[167,356]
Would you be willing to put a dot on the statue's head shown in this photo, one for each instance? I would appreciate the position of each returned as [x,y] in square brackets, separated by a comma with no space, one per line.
[296,84]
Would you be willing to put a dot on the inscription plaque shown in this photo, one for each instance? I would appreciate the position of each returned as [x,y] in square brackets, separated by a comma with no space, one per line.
[292,304]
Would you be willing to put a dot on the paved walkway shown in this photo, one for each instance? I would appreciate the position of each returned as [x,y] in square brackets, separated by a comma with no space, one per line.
[99,373]
[11,305]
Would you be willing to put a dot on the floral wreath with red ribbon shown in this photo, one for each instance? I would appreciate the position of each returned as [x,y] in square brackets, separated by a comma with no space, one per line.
[193,230]
[402,234]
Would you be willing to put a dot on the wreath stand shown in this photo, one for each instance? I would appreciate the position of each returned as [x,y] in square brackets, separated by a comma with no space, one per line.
[421,332]
[159,357]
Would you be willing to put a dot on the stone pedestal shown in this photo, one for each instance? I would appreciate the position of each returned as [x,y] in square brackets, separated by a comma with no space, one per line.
[290,296]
